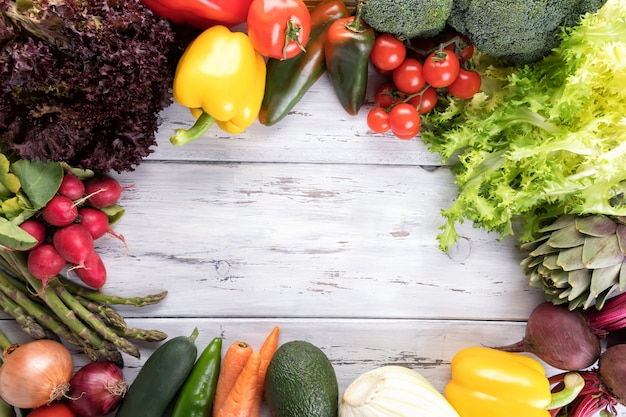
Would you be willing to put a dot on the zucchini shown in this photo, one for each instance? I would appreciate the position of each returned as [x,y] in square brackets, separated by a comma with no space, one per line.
[160,378]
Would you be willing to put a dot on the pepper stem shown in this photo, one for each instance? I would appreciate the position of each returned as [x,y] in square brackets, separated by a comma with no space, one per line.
[200,127]
[573,385]
[357,25]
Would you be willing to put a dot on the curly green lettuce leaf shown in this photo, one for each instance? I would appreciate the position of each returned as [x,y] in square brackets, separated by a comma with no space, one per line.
[541,140]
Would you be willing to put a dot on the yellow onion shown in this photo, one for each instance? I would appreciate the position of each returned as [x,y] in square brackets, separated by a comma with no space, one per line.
[35,373]
[393,391]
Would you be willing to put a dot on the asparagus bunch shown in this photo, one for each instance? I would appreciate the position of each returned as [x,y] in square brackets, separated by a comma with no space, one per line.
[65,310]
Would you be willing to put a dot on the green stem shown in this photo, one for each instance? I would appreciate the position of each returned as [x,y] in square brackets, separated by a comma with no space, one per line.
[200,127]
[573,384]
[94,322]
[100,297]
[107,313]
[142,334]
[4,341]
[27,323]
[357,24]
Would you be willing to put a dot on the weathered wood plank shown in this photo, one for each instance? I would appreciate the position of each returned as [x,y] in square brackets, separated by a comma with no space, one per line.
[307,240]
[317,130]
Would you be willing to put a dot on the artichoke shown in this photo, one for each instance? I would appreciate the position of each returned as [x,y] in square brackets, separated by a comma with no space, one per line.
[578,260]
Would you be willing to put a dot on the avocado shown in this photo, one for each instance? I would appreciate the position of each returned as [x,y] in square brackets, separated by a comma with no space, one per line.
[301,382]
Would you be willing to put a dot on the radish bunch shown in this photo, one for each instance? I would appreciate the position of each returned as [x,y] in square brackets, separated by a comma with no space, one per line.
[67,227]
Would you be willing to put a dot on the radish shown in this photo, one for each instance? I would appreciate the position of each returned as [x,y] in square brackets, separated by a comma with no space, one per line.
[60,211]
[74,243]
[95,220]
[36,229]
[71,187]
[103,191]
[92,272]
[45,262]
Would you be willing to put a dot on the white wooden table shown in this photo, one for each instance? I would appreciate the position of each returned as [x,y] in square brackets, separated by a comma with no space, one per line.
[320,227]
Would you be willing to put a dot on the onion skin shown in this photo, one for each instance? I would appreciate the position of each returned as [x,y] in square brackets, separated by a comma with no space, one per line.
[560,337]
[35,373]
[612,369]
[96,389]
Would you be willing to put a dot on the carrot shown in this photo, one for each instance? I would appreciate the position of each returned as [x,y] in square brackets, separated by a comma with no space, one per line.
[234,361]
[241,396]
[267,351]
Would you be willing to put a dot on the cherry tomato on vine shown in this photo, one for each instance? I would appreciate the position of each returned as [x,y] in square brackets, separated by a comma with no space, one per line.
[387,94]
[426,101]
[404,121]
[409,76]
[466,84]
[441,68]
[467,47]
[279,29]
[57,409]
[378,120]
[388,52]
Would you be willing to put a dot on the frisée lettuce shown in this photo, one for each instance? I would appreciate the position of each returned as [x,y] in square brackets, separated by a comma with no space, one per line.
[540,140]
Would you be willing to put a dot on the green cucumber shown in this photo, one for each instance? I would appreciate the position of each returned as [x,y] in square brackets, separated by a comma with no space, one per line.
[160,378]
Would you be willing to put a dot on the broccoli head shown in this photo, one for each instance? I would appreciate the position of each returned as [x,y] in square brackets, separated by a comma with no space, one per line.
[520,31]
[407,18]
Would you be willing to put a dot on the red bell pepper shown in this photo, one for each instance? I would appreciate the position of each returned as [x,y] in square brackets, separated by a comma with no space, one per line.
[201,14]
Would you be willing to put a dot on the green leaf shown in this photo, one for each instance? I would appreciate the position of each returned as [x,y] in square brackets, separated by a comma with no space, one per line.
[40,180]
[9,183]
[11,208]
[14,237]
[114,212]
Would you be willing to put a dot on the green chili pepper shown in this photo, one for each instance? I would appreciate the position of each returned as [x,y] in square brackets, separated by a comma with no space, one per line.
[347,51]
[196,395]
[289,79]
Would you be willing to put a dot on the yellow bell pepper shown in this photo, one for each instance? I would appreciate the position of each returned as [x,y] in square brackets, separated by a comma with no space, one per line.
[219,78]
[489,382]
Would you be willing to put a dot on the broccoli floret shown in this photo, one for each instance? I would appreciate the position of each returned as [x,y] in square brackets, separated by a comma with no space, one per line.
[407,18]
[521,31]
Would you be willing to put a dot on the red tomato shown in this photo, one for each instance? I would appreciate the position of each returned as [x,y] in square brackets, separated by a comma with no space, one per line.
[279,29]
[463,47]
[404,121]
[388,52]
[426,101]
[58,409]
[441,68]
[409,76]
[386,94]
[378,120]
[466,84]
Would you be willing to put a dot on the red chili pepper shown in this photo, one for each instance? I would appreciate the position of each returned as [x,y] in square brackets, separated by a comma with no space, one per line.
[201,14]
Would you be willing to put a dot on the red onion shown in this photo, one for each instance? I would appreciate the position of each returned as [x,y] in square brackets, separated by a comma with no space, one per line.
[560,337]
[96,389]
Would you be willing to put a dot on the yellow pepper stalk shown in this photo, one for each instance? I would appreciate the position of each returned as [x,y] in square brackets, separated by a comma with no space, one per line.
[218,78]
[494,383]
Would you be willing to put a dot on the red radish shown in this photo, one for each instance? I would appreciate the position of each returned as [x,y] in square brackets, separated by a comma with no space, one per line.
[60,211]
[72,187]
[92,272]
[95,220]
[44,262]
[74,243]
[36,229]
[103,191]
